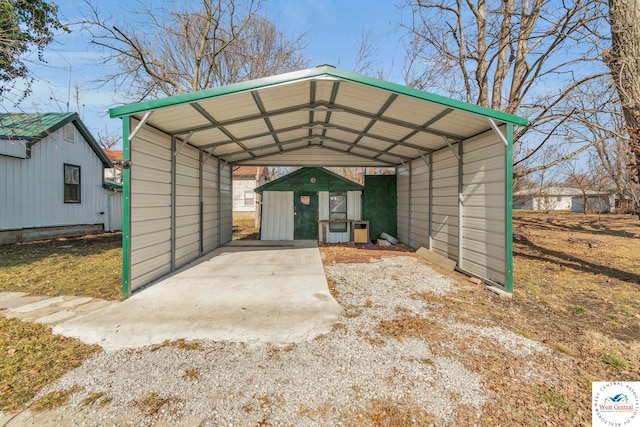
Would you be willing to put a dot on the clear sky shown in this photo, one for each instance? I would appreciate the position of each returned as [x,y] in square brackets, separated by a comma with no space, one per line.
[333,27]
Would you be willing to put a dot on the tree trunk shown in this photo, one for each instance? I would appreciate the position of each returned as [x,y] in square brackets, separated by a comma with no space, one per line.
[624,61]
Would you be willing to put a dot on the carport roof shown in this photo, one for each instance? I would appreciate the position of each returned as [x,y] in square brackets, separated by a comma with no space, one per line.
[316,117]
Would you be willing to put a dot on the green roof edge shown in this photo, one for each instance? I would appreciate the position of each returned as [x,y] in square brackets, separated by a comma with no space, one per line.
[66,118]
[270,184]
[127,110]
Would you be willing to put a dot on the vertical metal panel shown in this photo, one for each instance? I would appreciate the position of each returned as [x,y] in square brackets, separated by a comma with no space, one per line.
[150,206]
[485,193]
[445,202]
[354,205]
[403,184]
[420,194]
[323,206]
[187,202]
[115,210]
[277,215]
[210,220]
[226,215]
[32,190]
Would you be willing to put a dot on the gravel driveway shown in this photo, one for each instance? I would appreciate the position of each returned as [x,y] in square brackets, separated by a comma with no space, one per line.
[355,375]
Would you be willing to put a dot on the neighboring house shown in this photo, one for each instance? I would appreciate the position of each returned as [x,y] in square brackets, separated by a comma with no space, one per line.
[564,199]
[310,204]
[114,173]
[245,180]
[52,178]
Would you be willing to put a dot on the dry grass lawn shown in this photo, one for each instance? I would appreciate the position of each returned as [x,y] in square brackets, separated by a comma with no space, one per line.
[576,291]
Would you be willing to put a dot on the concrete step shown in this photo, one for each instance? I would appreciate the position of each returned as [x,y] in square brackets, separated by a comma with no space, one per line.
[48,311]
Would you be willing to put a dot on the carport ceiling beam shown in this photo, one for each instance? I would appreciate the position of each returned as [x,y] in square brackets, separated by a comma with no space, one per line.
[337,141]
[324,147]
[496,129]
[415,132]
[451,147]
[267,120]
[140,124]
[222,129]
[372,122]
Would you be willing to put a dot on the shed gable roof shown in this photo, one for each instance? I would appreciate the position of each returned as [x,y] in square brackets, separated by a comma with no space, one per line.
[33,127]
[310,179]
[316,117]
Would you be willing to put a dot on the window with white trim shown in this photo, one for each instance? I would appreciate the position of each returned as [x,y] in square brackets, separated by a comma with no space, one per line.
[249,198]
[71,183]
[338,210]
[70,132]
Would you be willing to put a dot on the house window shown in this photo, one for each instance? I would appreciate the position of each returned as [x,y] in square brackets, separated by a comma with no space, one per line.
[338,210]
[249,198]
[71,183]
[70,133]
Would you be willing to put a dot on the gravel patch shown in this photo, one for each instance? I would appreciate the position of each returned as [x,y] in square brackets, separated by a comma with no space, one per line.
[516,344]
[318,382]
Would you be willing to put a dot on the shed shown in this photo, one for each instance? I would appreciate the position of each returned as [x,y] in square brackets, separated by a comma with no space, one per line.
[51,177]
[453,164]
[310,203]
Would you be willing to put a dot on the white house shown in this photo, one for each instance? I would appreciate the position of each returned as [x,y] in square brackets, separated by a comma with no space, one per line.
[245,180]
[52,178]
[564,199]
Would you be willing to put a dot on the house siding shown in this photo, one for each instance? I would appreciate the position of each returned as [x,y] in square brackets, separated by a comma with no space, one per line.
[32,190]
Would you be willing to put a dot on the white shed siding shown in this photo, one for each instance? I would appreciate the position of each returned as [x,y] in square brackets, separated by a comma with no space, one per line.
[445,203]
[187,221]
[354,211]
[210,228]
[402,183]
[419,204]
[277,215]
[32,190]
[226,215]
[484,199]
[115,210]
[150,207]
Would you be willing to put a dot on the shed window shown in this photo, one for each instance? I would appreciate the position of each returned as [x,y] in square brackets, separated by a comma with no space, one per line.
[338,210]
[70,133]
[249,198]
[71,183]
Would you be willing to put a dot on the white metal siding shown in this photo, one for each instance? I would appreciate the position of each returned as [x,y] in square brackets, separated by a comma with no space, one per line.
[226,216]
[354,211]
[484,199]
[419,203]
[277,215]
[32,190]
[402,184]
[445,203]
[115,210]
[150,201]
[240,186]
[187,221]
[210,205]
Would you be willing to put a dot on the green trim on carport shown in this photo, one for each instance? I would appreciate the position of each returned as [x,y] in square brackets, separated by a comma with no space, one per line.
[325,71]
[509,209]
[126,225]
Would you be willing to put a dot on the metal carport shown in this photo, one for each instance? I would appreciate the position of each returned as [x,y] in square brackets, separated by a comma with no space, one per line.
[453,162]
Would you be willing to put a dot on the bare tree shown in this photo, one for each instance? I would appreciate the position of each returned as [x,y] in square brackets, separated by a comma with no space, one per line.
[167,51]
[523,57]
[624,61]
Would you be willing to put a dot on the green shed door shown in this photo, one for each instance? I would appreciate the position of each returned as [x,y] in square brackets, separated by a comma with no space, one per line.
[305,219]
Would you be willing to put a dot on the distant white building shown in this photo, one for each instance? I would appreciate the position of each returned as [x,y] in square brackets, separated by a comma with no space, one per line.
[564,199]
[52,179]
[245,180]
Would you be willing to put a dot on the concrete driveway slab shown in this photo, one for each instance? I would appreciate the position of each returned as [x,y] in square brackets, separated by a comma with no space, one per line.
[246,291]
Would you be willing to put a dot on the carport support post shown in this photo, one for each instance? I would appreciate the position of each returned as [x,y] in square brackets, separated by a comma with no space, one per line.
[126,225]
[173,203]
[219,204]
[430,201]
[509,208]
[200,203]
[460,205]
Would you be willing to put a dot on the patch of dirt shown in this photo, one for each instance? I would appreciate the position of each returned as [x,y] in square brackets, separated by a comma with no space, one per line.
[360,253]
